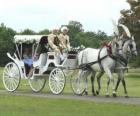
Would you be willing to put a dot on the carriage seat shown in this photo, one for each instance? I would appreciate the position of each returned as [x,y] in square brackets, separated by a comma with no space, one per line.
[72,55]
[41,61]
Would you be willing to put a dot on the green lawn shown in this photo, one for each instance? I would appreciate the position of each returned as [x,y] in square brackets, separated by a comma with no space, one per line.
[132,81]
[11,105]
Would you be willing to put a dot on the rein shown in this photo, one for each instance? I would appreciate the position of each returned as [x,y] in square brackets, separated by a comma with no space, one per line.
[87,65]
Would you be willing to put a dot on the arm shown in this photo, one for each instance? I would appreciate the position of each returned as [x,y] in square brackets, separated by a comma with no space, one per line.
[52,45]
[50,41]
[68,43]
[61,42]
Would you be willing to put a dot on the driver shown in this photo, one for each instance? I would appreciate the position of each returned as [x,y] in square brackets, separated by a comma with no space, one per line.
[53,40]
[64,39]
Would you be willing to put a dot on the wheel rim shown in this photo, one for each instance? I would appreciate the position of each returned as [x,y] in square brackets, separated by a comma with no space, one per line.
[37,83]
[11,76]
[56,81]
[78,83]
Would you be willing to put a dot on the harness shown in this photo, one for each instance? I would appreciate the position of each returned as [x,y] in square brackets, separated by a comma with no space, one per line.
[119,59]
[88,65]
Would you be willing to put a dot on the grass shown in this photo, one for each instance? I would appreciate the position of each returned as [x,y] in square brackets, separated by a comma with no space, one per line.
[132,81]
[11,105]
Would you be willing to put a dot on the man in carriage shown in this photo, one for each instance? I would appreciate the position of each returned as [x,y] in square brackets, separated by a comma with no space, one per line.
[59,43]
[54,41]
[64,38]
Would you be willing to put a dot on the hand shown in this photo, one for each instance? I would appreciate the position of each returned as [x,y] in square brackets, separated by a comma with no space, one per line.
[57,50]
[65,50]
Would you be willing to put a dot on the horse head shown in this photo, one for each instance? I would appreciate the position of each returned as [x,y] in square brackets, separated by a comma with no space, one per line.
[117,46]
[129,47]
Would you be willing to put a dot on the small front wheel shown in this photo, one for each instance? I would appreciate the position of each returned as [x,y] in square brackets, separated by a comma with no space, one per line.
[37,83]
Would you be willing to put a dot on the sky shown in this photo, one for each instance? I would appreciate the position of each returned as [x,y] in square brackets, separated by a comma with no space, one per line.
[37,15]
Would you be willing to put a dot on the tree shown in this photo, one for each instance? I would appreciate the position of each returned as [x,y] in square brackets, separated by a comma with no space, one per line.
[6,43]
[131,18]
[75,27]
[44,32]
[28,32]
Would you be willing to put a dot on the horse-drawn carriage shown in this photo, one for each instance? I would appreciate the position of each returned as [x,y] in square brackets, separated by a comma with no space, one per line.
[44,64]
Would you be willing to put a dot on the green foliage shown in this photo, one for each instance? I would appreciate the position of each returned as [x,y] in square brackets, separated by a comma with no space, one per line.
[44,32]
[27,32]
[79,37]
[6,43]
[131,18]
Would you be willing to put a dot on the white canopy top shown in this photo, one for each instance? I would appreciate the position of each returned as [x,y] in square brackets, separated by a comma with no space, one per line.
[27,38]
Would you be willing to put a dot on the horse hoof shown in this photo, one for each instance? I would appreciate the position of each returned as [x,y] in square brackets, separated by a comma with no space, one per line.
[106,95]
[114,95]
[86,93]
[97,92]
[93,94]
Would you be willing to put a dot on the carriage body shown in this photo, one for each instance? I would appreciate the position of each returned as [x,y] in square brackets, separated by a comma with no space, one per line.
[45,64]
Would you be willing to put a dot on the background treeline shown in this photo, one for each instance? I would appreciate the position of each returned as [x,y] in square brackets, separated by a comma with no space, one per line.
[76,32]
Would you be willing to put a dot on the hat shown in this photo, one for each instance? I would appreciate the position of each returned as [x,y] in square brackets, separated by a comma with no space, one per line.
[64,28]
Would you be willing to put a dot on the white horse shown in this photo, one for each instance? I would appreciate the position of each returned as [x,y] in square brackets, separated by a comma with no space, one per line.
[96,60]
[129,49]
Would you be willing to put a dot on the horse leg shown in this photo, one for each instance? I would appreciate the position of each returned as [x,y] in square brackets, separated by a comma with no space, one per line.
[125,90]
[108,71]
[121,77]
[92,83]
[118,81]
[85,75]
[100,74]
[124,84]
[86,86]
[117,84]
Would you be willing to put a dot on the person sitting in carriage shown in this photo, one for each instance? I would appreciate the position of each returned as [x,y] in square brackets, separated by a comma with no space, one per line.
[27,59]
[55,44]
[53,41]
[64,39]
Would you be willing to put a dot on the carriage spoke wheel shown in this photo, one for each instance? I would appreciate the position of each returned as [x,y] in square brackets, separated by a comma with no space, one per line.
[57,81]
[78,83]
[11,76]
[37,83]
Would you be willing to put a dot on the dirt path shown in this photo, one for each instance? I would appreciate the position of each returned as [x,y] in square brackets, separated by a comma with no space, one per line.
[101,99]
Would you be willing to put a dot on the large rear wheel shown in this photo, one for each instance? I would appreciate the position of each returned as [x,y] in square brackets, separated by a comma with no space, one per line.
[11,76]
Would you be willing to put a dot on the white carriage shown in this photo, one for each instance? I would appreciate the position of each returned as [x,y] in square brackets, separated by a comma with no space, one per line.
[45,65]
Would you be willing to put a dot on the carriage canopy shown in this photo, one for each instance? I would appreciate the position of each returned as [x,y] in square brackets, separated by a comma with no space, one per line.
[28,38]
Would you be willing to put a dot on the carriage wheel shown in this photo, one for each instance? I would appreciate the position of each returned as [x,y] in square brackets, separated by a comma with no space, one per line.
[78,83]
[11,76]
[57,81]
[37,83]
